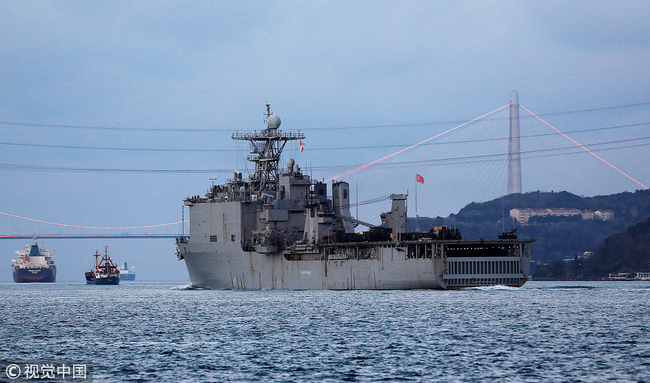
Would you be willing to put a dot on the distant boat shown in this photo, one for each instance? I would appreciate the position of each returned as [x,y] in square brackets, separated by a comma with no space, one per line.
[643,276]
[639,276]
[127,274]
[34,264]
[105,271]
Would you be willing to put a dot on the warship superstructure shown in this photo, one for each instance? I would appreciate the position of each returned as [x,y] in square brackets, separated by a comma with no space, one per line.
[279,229]
[34,264]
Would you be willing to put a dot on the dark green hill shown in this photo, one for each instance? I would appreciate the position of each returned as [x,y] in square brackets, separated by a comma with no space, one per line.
[558,238]
[627,252]
[627,206]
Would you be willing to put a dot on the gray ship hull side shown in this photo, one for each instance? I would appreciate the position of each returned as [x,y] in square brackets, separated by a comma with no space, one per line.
[250,270]
[391,270]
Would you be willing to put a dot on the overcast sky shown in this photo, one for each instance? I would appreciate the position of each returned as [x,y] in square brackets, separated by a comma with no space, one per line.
[106,107]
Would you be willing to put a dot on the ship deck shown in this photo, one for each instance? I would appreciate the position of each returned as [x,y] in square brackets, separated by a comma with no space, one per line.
[508,241]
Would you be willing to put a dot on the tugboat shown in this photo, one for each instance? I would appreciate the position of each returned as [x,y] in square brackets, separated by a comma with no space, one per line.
[34,264]
[105,271]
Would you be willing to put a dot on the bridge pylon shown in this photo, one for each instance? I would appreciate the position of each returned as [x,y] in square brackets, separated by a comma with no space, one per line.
[514,151]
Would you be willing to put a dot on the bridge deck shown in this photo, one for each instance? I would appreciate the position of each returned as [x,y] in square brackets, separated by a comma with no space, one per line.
[90,236]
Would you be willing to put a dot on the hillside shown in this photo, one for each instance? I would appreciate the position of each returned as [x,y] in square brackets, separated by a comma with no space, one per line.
[558,238]
[626,252]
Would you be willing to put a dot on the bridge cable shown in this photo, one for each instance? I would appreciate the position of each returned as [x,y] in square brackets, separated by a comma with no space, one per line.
[347,173]
[92,227]
[580,145]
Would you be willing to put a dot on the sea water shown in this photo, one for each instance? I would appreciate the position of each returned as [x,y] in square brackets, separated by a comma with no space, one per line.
[167,332]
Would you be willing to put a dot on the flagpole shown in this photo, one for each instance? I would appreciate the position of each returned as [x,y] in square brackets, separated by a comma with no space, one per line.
[416,198]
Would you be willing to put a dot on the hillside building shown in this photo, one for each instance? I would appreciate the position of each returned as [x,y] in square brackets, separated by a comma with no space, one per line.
[523,215]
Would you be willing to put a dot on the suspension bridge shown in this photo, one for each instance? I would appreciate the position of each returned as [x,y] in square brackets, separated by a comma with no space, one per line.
[91,236]
[418,156]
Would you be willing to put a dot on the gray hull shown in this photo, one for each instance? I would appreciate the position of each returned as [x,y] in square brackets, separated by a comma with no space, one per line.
[389,270]
[249,270]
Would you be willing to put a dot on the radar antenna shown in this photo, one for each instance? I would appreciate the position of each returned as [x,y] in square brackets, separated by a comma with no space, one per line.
[266,148]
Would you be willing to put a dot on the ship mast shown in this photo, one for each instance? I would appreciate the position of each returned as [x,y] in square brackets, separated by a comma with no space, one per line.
[266,148]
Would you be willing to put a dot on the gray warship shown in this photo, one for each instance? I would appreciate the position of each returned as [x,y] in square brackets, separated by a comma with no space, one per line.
[279,229]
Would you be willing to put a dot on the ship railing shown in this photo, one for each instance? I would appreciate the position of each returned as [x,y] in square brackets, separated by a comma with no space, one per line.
[353,252]
[258,157]
[231,197]
[303,248]
[266,134]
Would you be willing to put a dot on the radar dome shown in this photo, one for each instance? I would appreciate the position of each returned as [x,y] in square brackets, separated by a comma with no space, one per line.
[290,163]
[273,121]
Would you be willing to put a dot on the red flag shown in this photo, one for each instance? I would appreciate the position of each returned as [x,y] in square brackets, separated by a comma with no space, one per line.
[302,143]
[419,178]
[302,150]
